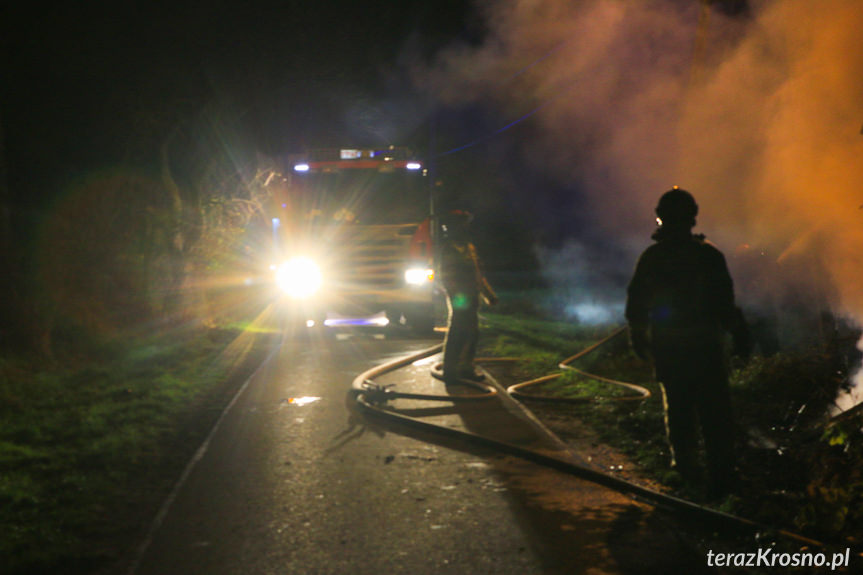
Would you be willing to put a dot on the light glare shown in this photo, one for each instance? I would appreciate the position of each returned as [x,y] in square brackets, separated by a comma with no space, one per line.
[419,276]
[299,277]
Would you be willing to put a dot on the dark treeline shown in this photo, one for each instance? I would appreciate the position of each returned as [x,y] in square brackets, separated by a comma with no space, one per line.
[134,244]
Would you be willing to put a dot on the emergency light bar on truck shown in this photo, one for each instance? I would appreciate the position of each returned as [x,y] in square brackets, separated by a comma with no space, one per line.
[352,237]
[325,160]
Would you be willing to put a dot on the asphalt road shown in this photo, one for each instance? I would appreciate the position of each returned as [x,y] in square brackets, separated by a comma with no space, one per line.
[295,480]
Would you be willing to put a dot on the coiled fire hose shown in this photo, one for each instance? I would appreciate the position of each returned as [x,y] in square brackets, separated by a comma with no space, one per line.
[637,392]
[372,399]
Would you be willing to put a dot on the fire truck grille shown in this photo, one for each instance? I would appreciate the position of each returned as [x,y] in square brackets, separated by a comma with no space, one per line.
[373,258]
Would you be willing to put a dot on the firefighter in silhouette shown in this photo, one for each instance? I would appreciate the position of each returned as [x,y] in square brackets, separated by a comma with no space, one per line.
[465,284]
[680,305]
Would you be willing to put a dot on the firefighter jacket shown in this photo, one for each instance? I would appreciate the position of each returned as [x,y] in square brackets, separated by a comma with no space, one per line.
[461,270]
[681,289]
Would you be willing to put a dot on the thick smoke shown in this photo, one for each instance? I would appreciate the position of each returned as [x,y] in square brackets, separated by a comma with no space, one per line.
[585,288]
[758,113]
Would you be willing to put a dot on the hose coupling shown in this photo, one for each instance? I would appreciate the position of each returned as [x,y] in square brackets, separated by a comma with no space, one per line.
[377,394]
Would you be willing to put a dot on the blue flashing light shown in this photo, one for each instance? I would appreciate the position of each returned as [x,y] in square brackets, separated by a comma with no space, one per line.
[301,168]
[356,321]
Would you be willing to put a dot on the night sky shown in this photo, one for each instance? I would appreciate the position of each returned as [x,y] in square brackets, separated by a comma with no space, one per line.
[86,83]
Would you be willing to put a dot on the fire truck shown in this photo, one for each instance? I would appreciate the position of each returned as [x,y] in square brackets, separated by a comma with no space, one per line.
[352,238]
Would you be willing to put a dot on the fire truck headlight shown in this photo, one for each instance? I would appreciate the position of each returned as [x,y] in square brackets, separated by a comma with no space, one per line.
[299,277]
[419,276]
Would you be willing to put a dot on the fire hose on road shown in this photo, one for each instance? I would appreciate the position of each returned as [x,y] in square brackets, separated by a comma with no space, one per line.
[372,399]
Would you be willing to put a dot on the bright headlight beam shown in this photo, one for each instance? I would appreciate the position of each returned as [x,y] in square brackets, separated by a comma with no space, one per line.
[299,277]
[419,276]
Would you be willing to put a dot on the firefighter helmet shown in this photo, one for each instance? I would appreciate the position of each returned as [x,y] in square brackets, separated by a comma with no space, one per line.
[455,224]
[677,206]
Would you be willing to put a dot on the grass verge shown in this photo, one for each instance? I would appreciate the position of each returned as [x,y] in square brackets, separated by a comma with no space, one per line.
[88,446]
[799,469]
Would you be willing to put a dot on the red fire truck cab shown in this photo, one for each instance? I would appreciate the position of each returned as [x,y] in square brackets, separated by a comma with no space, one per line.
[352,238]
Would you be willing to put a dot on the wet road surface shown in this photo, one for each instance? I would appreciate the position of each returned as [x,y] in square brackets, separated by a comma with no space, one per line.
[296,480]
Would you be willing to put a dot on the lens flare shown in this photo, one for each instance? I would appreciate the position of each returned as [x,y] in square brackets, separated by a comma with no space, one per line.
[299,277]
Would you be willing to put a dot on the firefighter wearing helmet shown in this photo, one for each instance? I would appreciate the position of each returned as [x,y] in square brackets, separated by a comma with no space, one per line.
[465,284]
[680,303]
